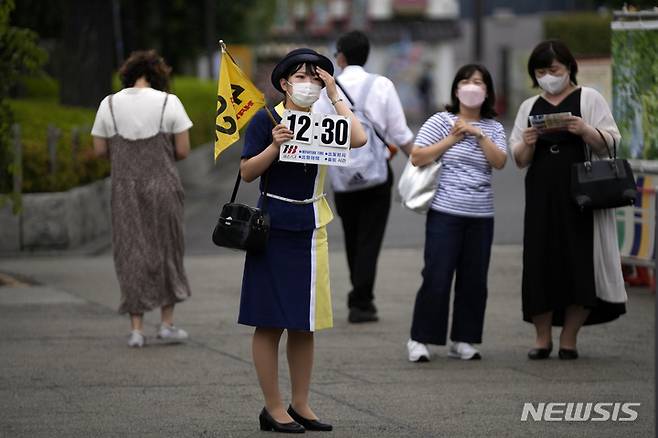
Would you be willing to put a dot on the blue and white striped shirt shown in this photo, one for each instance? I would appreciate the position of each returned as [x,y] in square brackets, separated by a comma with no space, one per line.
[465,177]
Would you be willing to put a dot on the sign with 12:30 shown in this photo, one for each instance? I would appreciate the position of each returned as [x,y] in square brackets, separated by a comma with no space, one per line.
[317,138]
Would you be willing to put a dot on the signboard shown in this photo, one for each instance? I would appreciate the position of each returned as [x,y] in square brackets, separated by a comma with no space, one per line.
[317,138]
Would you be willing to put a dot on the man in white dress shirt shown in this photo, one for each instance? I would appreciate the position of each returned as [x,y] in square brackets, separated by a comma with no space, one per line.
[363,191]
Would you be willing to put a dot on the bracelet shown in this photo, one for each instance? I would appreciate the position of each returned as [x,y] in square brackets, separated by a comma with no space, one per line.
[480,135]
[334,102]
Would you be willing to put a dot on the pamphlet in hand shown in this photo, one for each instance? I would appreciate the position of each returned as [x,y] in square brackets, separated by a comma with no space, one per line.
[550,122]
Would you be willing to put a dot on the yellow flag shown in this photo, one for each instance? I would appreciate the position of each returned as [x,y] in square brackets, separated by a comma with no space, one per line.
[237,102]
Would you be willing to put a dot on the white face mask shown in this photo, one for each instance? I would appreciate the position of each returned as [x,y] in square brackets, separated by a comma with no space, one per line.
[471,95]
[304,94]
[553,84]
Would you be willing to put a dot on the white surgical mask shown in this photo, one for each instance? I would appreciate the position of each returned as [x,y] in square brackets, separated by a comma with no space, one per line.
[304,94]
[471,95]
[553,84]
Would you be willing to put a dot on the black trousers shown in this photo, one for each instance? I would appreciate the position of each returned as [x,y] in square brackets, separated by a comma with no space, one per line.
[364,214]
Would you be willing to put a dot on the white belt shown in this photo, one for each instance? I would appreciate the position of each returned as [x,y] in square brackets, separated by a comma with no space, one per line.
[295,201]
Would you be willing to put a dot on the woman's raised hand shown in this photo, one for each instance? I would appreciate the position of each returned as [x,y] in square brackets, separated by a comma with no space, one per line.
[457,132]
[329,82]
[462,128]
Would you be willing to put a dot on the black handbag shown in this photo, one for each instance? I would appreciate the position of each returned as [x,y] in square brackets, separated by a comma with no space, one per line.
[607,183]
[242,227]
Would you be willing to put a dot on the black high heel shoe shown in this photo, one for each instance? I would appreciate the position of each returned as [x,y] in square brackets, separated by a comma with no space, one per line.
[268,423]
[540,353]
[567,354]
[309,424]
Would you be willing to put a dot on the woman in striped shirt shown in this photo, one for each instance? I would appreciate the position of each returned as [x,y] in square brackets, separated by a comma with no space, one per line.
[459,227]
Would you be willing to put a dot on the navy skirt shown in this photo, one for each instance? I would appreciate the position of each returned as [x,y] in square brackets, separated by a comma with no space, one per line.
[287,285]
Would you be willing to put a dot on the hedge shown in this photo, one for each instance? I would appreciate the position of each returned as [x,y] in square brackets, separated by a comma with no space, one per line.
[586,34]
[39,108]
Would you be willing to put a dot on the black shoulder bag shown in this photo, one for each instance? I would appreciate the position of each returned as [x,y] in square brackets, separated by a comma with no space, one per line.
[243,227]
[607,183]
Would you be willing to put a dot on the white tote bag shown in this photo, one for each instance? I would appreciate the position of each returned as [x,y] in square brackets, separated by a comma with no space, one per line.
[418,185]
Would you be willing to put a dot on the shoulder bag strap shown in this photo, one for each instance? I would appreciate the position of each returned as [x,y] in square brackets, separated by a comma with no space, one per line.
[237,186]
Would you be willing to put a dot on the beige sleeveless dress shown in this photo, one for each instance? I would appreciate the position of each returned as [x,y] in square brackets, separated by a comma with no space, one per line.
[147,221]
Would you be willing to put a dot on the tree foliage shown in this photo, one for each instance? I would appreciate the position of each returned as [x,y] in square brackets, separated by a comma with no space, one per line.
[176,28]
[19,55]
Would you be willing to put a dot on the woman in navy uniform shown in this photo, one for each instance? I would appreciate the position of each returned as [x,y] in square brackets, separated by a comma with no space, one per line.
[287,286]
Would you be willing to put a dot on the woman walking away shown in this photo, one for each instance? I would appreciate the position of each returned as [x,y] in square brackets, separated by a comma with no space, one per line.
[144,130]
[571,265]
[460,223]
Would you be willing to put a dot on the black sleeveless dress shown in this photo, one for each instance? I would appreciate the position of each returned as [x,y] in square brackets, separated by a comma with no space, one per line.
[558,266]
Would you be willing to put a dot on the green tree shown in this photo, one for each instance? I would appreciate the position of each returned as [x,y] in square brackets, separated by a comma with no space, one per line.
[177,28]
[83,33]
[19,55]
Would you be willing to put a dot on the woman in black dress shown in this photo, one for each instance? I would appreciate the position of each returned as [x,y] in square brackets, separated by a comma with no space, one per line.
[571,266]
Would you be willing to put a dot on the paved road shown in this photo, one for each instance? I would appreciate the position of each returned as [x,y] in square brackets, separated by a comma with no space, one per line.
[65,370]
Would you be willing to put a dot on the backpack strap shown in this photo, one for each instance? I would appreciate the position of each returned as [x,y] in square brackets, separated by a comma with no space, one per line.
[112,114]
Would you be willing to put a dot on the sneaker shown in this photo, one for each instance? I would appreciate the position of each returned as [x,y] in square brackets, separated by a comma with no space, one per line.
[464,351]
[417,352]
[136,339]
[171,334]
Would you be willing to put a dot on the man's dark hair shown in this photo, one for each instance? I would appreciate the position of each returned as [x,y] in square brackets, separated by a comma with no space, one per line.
[145,63]
[548,51]
[487,110]
[354,46]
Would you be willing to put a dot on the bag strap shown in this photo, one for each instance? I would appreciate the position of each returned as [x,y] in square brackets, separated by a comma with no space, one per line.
[364,95]
[588,149]
[237,186]
[614,144]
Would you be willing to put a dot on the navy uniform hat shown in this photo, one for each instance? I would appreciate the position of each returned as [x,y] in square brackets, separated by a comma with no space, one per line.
[300,56]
